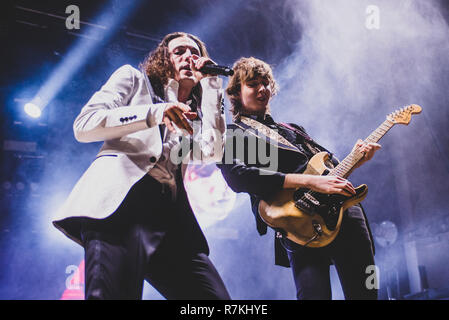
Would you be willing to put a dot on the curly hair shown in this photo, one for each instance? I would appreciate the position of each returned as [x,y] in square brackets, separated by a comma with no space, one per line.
[158,66]
[247,69]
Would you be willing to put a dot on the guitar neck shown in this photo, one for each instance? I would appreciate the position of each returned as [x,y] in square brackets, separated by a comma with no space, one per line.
[343,169]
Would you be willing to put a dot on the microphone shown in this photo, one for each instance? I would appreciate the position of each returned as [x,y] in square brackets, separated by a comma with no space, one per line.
[216,69]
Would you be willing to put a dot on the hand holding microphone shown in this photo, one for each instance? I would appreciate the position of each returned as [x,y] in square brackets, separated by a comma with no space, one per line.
[178,114]
[205,66]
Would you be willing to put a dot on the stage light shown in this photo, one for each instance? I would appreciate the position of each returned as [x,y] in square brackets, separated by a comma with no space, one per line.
[32,110]
[20,186]
[7,185]
[385,233]
[91,40]
[34,186]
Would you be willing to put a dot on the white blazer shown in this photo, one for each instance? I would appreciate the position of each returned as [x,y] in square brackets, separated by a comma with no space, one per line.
[117,114]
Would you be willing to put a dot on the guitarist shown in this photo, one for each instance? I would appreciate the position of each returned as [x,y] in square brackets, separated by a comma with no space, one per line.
[250,90]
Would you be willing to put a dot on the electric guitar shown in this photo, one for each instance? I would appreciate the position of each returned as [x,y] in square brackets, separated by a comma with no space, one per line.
[313,219]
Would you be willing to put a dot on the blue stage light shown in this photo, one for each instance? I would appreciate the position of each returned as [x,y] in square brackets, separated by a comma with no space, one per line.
[90,41]
[32,110]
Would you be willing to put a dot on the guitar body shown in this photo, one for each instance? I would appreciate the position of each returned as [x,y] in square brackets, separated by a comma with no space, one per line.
[312,221]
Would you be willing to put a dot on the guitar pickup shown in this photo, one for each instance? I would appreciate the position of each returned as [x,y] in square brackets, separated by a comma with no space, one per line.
[312,199]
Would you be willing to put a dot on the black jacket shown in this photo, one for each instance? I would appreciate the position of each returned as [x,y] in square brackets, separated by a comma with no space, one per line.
[249,171]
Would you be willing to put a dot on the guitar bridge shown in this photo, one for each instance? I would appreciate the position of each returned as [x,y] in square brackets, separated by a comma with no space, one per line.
[304,206]
[307,203]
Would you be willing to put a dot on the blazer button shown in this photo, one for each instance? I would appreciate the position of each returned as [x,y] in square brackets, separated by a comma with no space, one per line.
[153,159]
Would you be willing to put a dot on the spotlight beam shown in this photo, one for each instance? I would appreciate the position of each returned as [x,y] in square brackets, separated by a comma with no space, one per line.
[109,21]
[59,17]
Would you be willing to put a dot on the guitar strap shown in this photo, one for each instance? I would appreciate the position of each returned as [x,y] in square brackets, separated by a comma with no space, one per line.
[311,144]
[307,140]
[266,133]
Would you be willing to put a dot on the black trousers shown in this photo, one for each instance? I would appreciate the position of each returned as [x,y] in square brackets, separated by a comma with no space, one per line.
[351,253]
[141,241]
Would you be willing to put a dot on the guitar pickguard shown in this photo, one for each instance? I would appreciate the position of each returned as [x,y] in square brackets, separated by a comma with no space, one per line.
[325,205]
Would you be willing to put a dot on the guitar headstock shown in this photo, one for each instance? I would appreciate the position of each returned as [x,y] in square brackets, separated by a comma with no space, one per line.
[404,115]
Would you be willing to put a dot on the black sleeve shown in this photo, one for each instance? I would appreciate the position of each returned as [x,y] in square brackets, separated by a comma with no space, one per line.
[244,177]
[250,179]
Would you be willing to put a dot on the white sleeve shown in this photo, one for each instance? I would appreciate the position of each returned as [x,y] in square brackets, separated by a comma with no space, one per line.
[208,137]
[107,115]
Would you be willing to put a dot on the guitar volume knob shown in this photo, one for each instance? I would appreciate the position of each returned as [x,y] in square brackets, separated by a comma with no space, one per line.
[317,227]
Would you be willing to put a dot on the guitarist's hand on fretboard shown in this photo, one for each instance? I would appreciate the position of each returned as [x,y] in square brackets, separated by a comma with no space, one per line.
[368,150]
[321,184]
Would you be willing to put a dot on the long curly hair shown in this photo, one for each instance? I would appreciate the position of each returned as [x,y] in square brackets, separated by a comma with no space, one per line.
[247,69]
[158,66]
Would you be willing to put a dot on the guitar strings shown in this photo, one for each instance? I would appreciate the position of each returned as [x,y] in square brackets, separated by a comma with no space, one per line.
[373,137]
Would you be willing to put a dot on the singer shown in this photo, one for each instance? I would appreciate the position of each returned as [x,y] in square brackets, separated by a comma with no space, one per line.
[129,210]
